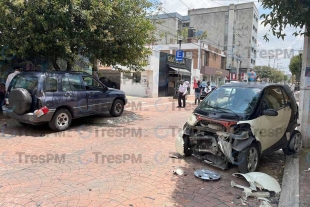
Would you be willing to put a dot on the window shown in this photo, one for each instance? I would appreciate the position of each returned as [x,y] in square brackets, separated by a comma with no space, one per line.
[27,82]
[286,98]
[65,84]
[75,83]
[206,59]
[136,77]
[222,63]
[50,84]
[91,84]
[127,76]
[273,99]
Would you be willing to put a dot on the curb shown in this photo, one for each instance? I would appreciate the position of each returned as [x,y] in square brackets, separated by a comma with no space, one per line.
[290,183]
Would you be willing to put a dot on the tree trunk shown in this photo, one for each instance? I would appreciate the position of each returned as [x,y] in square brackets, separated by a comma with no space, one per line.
[69,65]
[54,62]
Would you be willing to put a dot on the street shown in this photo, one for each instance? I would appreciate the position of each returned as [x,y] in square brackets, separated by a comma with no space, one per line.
[104,161]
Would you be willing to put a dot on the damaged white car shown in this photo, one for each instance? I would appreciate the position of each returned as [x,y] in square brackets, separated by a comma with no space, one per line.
[254,119]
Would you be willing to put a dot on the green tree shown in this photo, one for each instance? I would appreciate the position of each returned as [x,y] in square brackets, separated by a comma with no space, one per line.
[263,71]
[114,32]
[284,13]
[295,65]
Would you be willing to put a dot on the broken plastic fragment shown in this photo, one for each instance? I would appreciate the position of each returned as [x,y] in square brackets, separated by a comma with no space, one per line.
[307,170]
[179,171]
[264,203]
[262,181]
[207,175]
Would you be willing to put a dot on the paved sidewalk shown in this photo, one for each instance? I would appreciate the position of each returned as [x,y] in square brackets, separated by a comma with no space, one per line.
[304,178]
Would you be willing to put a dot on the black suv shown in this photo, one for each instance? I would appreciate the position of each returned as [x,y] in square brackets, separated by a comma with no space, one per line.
[58,97]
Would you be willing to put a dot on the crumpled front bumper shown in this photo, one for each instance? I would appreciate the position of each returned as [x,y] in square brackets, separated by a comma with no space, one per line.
[29,118]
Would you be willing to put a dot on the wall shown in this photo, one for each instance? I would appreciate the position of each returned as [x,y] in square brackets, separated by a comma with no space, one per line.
[151,71]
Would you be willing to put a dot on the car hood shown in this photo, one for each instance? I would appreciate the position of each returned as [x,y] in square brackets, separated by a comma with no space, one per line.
[115,91]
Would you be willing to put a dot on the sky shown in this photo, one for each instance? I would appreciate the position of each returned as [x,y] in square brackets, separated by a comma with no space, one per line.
[274,45]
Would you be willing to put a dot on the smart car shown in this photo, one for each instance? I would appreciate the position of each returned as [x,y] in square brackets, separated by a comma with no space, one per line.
[255,119]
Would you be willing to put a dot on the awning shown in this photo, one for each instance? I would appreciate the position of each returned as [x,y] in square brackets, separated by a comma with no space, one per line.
[181,71]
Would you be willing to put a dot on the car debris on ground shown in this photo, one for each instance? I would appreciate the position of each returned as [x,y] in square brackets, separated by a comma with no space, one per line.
[261,181]
[207,175]
[179,171]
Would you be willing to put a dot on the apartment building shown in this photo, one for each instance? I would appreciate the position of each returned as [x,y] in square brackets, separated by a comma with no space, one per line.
[232,29]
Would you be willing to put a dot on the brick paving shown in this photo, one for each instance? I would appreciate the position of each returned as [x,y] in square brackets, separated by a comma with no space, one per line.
[133,167]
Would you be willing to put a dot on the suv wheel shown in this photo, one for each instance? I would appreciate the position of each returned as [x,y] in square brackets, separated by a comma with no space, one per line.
[248,159]
[117,108]
[294,145]
[61,120]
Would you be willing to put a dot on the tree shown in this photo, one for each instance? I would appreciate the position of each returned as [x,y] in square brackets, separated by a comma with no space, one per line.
[295,65]
[266,72]
[263,72]
[294,13]
[113,32]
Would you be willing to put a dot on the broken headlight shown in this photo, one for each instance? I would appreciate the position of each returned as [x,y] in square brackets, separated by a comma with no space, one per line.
[192,120]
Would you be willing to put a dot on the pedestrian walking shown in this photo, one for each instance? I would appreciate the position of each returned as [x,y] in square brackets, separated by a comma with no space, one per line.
[182,93]
[198,91]
[11,76]
[252,76]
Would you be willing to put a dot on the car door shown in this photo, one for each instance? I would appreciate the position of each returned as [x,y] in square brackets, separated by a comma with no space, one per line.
[74,94]
[270,129]
[97,97]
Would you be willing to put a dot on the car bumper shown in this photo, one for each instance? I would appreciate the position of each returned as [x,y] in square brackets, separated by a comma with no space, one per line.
[126,101]
[29,118]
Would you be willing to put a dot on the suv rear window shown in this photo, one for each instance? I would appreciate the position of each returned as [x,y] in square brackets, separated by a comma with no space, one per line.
[27,82]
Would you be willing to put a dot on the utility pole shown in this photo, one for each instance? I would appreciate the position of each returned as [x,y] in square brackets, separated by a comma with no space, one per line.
[304,95]
[199,55]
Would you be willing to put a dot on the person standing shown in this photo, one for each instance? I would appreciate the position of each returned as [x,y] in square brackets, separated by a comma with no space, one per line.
[182,93]
[198,92]
[208,88]
[252,76]
[11,76]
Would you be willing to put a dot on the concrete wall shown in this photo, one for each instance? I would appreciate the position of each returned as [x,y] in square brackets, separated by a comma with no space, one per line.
[151,72]
[167,30]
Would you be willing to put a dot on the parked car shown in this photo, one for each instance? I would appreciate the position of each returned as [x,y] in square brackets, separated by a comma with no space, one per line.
[204,94]
[256,119]
[107,82]
[58,97]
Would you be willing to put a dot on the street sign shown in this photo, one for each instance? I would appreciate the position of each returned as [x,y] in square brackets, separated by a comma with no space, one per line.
[179,55]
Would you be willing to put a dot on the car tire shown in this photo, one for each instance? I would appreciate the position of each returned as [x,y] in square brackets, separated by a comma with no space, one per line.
[117,108]
[294,145]
[24,124]
[61,120]
[247,158]
[187,150]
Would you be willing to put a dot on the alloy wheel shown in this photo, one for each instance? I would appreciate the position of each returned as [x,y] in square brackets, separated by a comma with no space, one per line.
[62,120]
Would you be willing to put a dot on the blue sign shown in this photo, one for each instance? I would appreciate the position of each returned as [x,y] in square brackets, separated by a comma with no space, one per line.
[179,55]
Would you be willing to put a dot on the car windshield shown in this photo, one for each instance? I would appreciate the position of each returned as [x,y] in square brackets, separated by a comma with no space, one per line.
[234,99]
[27,82]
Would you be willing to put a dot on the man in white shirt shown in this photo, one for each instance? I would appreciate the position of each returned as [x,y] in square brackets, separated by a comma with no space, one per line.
[182,93]
[11,76]
[208,88]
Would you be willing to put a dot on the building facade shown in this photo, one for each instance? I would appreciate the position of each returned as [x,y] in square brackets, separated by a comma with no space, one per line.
[232,29]
[212,61]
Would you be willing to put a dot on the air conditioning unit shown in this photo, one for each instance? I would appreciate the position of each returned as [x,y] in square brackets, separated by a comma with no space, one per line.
[191,33]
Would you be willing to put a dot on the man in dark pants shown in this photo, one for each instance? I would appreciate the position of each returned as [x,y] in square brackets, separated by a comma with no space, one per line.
[182,93]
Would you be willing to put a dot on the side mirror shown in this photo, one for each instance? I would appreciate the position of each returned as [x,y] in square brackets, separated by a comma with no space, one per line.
[270,112]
